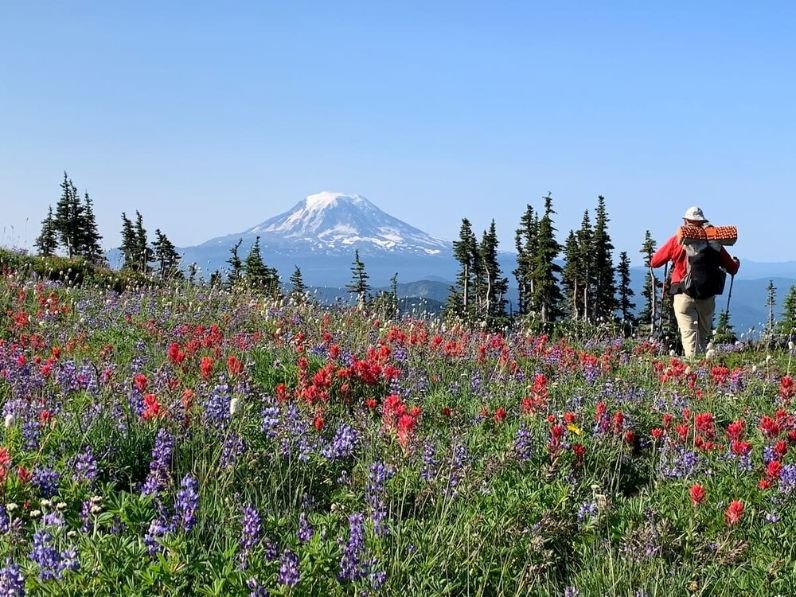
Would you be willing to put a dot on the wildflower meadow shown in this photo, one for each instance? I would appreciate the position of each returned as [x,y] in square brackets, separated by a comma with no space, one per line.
[192,440]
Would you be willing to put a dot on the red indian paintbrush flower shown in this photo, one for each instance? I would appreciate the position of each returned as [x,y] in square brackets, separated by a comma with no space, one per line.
[697,494]
[734,512]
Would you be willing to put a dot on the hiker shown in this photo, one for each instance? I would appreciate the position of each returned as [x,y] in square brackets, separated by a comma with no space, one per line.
[695,295]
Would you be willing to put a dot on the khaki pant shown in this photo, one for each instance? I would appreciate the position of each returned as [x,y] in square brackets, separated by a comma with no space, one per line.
[695,320]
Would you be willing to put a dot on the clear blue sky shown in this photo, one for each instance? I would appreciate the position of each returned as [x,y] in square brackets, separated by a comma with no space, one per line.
[210,117]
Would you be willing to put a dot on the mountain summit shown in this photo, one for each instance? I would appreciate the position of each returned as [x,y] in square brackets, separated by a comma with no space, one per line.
[335,223]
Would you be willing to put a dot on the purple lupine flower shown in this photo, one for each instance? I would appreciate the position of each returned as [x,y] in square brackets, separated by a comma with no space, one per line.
[678,464]
[250,534]
[46,481]
[376,577]
[216,407]
[187,503]
[86,524]
[269,421]
[53,519]
[256,589]
[158,477]
[768,454]
[70,559]
[456,474]
[31,432]
[571,592]
[5,520]
[522,443]
[787,478]
[586,511]
[12,583]
[429,470]
[271,550]
[350,561]
[379,475]
[772,517]
[233,448]
[343,444]
[45,555]
[305,530]
[288,569]
[85,467]
[297,437]
[157,529]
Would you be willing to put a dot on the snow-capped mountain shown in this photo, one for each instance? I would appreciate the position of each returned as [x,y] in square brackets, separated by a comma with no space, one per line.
[335,223]
[320,234]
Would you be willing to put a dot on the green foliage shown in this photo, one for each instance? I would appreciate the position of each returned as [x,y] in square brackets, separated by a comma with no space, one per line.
[358,285]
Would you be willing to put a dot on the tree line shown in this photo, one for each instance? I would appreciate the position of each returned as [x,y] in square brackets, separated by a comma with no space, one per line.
[574,281]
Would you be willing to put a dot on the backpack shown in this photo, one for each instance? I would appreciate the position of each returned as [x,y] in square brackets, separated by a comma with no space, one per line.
[705,275]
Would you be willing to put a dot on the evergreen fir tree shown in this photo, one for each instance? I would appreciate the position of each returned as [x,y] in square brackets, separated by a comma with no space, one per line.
[256,274]
[69,218]
[724,331]
[90,246]
[651,284]
[787,325]
[47,241]
[604,285]
[626,305]
[235,265]
[571,277]
[585,269]
[128,247]
[298,290]
[193,271]
[465,250]
[525,242]
[492,297]
[166,257]
[143,252]
[359,282]
[771,302]
[546,295]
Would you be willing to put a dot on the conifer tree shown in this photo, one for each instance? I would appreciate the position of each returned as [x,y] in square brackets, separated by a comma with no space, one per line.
[465,250]
[193,271]
[584,269]
[771,301]
[546,295]
[787,325]
[235,265]
[605,302]
[626,305]
[128,247]
[298,290]
[724,330]
[90,246]
[166,257]
[525,242]
[69,218]
[47,241]
[143,252]
[650,291]
[359,282]
[571,277]
[258,275]
[493,289]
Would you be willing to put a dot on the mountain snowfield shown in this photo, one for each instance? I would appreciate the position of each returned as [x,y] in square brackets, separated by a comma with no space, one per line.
[336,223]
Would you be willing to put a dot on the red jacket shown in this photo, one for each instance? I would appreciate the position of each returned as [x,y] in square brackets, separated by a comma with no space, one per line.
[673,251]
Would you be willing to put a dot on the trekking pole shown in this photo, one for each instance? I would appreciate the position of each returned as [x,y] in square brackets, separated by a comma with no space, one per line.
[663,297]
[729,296]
